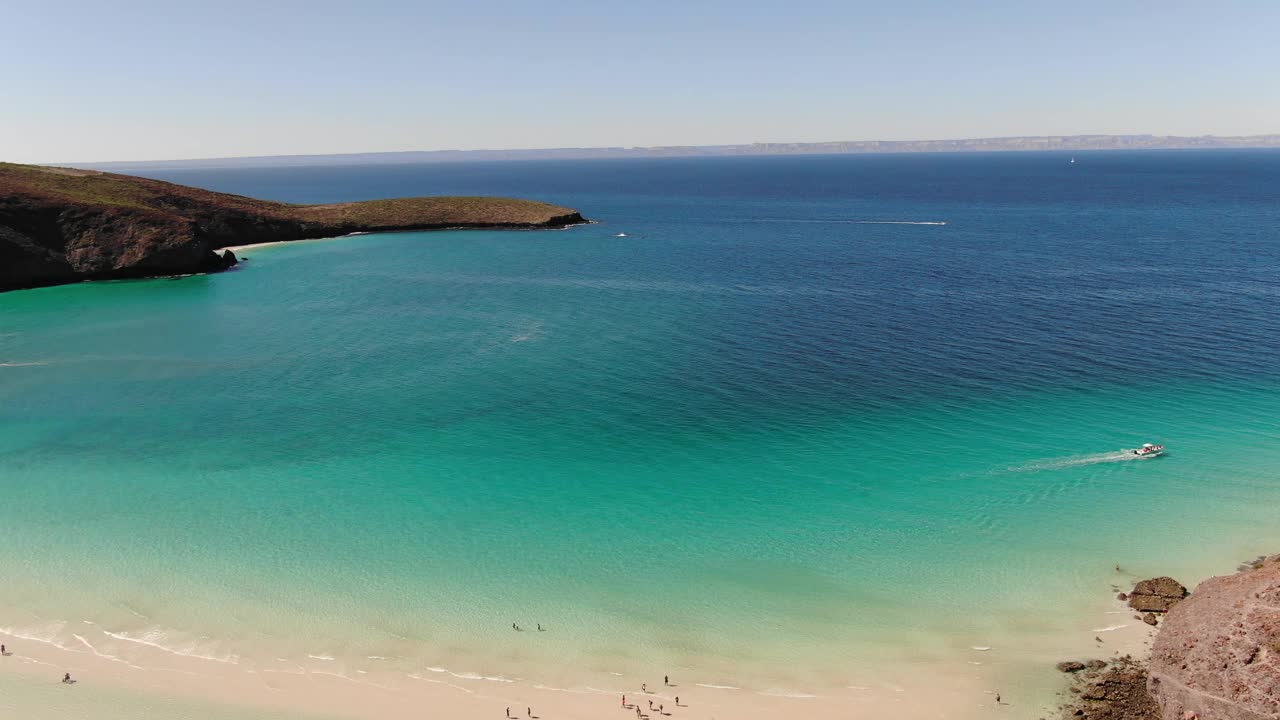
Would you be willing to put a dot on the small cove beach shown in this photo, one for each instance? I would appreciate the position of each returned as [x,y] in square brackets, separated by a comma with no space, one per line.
[829,469]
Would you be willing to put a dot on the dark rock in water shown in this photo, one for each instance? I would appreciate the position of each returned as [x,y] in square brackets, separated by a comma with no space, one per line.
[1253,564]
[1070,666]
[1156,595]
[1149,618]
[228,258]
[1122,597]
[1118,693]
[1218,653]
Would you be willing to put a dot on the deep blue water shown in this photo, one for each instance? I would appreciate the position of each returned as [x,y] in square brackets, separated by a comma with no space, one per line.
[1117,269]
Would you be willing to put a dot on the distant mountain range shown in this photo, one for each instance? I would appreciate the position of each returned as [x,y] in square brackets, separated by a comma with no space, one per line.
[1001,144]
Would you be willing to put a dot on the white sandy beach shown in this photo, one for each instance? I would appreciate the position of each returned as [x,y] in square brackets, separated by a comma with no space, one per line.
[139,675]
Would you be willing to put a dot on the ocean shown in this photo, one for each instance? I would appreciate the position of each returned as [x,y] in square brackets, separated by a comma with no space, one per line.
[793,425]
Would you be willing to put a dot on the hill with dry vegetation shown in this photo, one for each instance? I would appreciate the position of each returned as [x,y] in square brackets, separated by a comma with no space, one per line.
[61,225]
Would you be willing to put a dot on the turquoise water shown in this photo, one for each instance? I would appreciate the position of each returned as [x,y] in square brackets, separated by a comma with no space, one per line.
[759,439]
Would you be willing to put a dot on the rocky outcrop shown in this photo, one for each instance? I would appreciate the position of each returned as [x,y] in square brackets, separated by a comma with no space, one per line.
[1156,595]
[1116,691]
[59,225]
[1217,656]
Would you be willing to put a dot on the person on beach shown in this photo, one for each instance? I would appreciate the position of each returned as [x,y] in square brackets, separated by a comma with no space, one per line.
[528,711]
[624,701]
[644,688]
[650,706]
[677,701]
[3,651]
[666,680]
[67,679]
[997,698]
[660,712]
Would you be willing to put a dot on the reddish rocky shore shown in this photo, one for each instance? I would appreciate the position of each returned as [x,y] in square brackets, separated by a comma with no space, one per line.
[1216,655]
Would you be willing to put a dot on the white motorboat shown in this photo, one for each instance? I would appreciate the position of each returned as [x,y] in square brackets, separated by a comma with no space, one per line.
[1149,450]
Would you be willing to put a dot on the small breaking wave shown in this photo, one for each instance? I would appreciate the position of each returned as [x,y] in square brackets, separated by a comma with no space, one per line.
[980,648]
[153,638]
[321,657]
[470,675]
[47,638]
[1109,628]
[24,364]
[717,687]
[104,656]
[786,694]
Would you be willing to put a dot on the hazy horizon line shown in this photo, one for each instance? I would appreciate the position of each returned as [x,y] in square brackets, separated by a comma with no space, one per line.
[1007,143]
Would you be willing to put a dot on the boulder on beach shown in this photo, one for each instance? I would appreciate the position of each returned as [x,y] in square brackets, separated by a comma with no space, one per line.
[1218,652]
[1070,666]
[1156,595]
[1150,619]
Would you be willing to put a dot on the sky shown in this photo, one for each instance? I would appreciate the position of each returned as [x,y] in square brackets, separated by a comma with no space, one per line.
[88,81]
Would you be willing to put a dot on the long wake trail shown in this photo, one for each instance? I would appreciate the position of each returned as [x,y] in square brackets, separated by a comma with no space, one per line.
[1076,461]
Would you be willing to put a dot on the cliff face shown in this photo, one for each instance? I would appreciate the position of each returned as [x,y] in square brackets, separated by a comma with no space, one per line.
[60,226]
[1217,656]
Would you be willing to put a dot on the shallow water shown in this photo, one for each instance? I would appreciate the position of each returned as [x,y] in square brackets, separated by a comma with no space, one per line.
[809,417]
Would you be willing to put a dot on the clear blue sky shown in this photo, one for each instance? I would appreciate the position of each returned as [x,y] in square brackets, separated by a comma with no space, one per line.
[86,81]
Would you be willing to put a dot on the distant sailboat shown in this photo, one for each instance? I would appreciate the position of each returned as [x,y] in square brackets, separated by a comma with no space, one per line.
[1073,161]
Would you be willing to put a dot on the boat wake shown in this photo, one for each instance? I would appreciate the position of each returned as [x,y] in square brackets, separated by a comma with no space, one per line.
[1076,461]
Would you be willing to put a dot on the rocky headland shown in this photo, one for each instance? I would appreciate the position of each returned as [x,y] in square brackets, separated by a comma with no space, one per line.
[60,225]
[1216,655]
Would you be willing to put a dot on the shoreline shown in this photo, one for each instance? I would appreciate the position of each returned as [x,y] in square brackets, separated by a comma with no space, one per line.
[960,684]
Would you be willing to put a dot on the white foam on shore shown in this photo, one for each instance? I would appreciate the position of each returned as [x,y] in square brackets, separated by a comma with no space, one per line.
[446,683]
[469,675]
[152,639]
[49,638]
[786,694]
[104,656]
[981,648]
[321,657]
[588,691]
[1109,628]
[718,687]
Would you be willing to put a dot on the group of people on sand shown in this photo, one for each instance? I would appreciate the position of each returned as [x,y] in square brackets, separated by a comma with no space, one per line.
[66,678]
[644,688]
